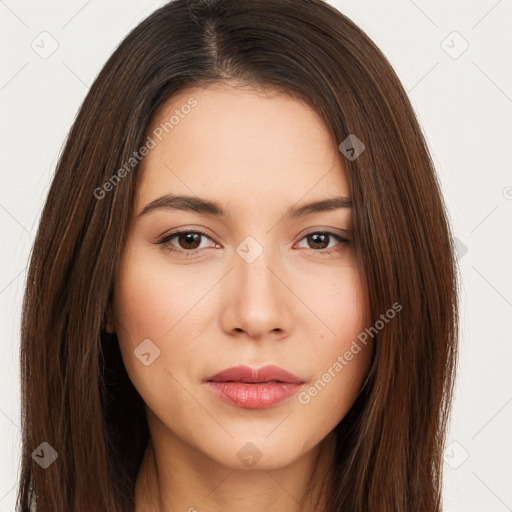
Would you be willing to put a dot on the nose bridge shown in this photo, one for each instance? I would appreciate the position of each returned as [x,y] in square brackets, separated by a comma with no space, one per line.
[252,269]
[257,299]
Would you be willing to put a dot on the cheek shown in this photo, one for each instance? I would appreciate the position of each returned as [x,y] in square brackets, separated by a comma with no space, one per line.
[155,299]
[340,356]
[341,365]
[158,316]
[327,399]
[336,303]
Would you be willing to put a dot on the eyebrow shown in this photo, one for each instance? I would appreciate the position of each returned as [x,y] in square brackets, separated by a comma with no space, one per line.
[208,207]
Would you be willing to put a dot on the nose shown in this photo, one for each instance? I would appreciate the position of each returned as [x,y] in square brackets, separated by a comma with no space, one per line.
[257,298]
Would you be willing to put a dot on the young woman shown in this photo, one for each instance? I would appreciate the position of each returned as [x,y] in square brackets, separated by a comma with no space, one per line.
[243,292]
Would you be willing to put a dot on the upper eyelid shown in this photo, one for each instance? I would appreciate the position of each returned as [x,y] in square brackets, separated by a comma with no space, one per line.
[169,236]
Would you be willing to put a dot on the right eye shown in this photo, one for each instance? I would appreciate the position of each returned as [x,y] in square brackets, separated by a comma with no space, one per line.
[190,240]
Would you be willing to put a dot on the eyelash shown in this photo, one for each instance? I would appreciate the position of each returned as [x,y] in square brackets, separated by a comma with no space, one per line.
[164,242]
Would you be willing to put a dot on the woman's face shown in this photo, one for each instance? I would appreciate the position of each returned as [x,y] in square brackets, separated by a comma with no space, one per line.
[262,286]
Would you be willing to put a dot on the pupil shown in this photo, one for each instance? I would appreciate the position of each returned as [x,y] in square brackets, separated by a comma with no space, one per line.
[315,236]
[189,239]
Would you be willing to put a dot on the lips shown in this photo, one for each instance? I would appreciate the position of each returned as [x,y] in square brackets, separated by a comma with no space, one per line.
[267,374]
[251,388]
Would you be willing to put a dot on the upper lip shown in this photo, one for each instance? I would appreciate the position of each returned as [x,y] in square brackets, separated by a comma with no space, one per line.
[244,373]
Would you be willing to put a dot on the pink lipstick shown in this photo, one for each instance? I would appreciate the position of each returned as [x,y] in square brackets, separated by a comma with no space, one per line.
[254,388]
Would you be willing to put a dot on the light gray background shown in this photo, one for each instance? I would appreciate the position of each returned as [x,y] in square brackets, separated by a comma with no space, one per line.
[464,103]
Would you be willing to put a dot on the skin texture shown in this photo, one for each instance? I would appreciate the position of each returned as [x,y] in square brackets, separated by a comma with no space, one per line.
[295,306]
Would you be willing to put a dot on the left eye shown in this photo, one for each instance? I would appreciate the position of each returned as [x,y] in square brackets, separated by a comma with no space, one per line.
[321,238]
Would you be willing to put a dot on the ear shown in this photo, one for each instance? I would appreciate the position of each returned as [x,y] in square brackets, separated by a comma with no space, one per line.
[110,328]
[110,325]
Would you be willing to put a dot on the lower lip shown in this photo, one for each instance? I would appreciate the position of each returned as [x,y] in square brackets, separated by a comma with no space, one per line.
[253,396]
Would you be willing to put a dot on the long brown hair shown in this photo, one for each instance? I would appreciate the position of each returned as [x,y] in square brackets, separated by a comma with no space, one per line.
[76,394]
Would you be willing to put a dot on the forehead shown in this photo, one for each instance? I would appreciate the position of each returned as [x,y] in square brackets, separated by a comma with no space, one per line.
[223,141]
